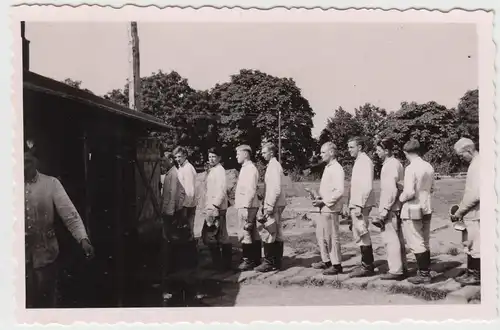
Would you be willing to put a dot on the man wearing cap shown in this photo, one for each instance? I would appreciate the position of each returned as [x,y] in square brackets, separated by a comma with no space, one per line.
[416,212]
[247,204]
[361,201]
[274,204]
[468,211]
[45,195]
[329,202]
[388,219]
[216,202]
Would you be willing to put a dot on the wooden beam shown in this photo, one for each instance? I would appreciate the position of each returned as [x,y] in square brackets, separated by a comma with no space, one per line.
[134,64]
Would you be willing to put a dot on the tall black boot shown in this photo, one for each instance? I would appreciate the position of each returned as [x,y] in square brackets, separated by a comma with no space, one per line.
[248,257]
[215,254]
[268,262]
[423,274]
[474,273]
[227,256]
[468,270]
[367,268]
[279,254]
[257,252]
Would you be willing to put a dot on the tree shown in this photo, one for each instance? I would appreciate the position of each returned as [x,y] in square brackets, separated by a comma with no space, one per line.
[187,111]
[373,121]
[248,106]
[468,115]
[338,130]
[434,126]
[76,84]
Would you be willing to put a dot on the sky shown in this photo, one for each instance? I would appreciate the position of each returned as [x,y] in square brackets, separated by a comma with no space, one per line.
[334,64]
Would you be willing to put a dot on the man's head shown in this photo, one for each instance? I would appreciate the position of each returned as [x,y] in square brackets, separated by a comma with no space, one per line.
[355,145]
[327,152]
[243,153]
[30,165]
[180,154]
[411,149]
[168,160]
[465,149]
[385,148]
[269,151]
[213,156]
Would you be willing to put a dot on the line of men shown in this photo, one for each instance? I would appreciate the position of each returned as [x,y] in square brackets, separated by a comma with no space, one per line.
[405,209]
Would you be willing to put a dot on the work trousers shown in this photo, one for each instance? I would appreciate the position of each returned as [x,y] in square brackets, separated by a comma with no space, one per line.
[392,234]
[360,227]
[328,236]
[41,286]
[472,243]
[222,236]
[245,236]
[417,233]
[272,230]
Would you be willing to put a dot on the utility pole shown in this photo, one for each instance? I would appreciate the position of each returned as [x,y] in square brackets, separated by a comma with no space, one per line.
[279,136]
[134,85]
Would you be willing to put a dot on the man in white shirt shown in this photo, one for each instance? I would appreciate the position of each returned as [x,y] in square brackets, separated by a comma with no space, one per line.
[329,201]
[469,211]
[274,204]
[215,213]
[361,201]
[247,204]
[416,211]
[187,178]
[389,220]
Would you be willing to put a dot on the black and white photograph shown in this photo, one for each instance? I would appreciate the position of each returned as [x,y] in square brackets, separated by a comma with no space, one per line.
[183,164]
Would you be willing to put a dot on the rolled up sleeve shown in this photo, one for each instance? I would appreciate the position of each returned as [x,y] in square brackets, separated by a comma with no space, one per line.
[67,211]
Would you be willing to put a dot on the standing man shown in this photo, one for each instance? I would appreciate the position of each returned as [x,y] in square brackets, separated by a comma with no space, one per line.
[247,204]
[416,211]
[274,204]
[45,195]
[469,211]
[389,220]
[215,229]
[172,201]
[187,177]
[331,191]
[361,201]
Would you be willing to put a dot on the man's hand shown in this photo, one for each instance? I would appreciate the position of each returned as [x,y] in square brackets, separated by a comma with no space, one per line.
[383,214]
[213,212]
[357,212]
[88,249]
[269,211]
[318,203]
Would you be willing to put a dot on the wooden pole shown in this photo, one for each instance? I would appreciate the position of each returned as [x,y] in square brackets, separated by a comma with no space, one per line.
[279,136]
[134,65]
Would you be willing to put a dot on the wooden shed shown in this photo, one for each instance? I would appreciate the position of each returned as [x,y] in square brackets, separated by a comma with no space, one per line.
[105,159]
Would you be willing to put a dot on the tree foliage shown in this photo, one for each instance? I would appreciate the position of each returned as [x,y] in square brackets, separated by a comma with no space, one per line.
[76,84]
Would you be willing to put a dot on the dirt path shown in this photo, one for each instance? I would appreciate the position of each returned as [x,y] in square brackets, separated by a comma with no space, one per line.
[266,295]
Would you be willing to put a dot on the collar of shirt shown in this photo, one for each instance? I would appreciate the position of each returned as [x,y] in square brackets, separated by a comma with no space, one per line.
[34,179]
[360,155]
[388,159]
[330,163]
[246,163]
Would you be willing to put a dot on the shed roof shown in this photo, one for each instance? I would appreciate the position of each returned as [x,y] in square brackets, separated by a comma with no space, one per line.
[39,83]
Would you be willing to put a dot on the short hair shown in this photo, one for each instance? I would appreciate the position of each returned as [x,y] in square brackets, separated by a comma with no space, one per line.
[330,145]
[168,155]
[271,147]
[386,144]
[180,150]
[464,143]
[215,151]
[359,141]
[412,146]
[244,147]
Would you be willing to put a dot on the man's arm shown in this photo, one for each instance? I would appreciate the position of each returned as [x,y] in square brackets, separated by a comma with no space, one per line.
[408,187]
[336,190]
[251,185]
[273,185]
[472,194]
[221,188]
[67,211]
[389,189]
[189,180]
[169,193]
